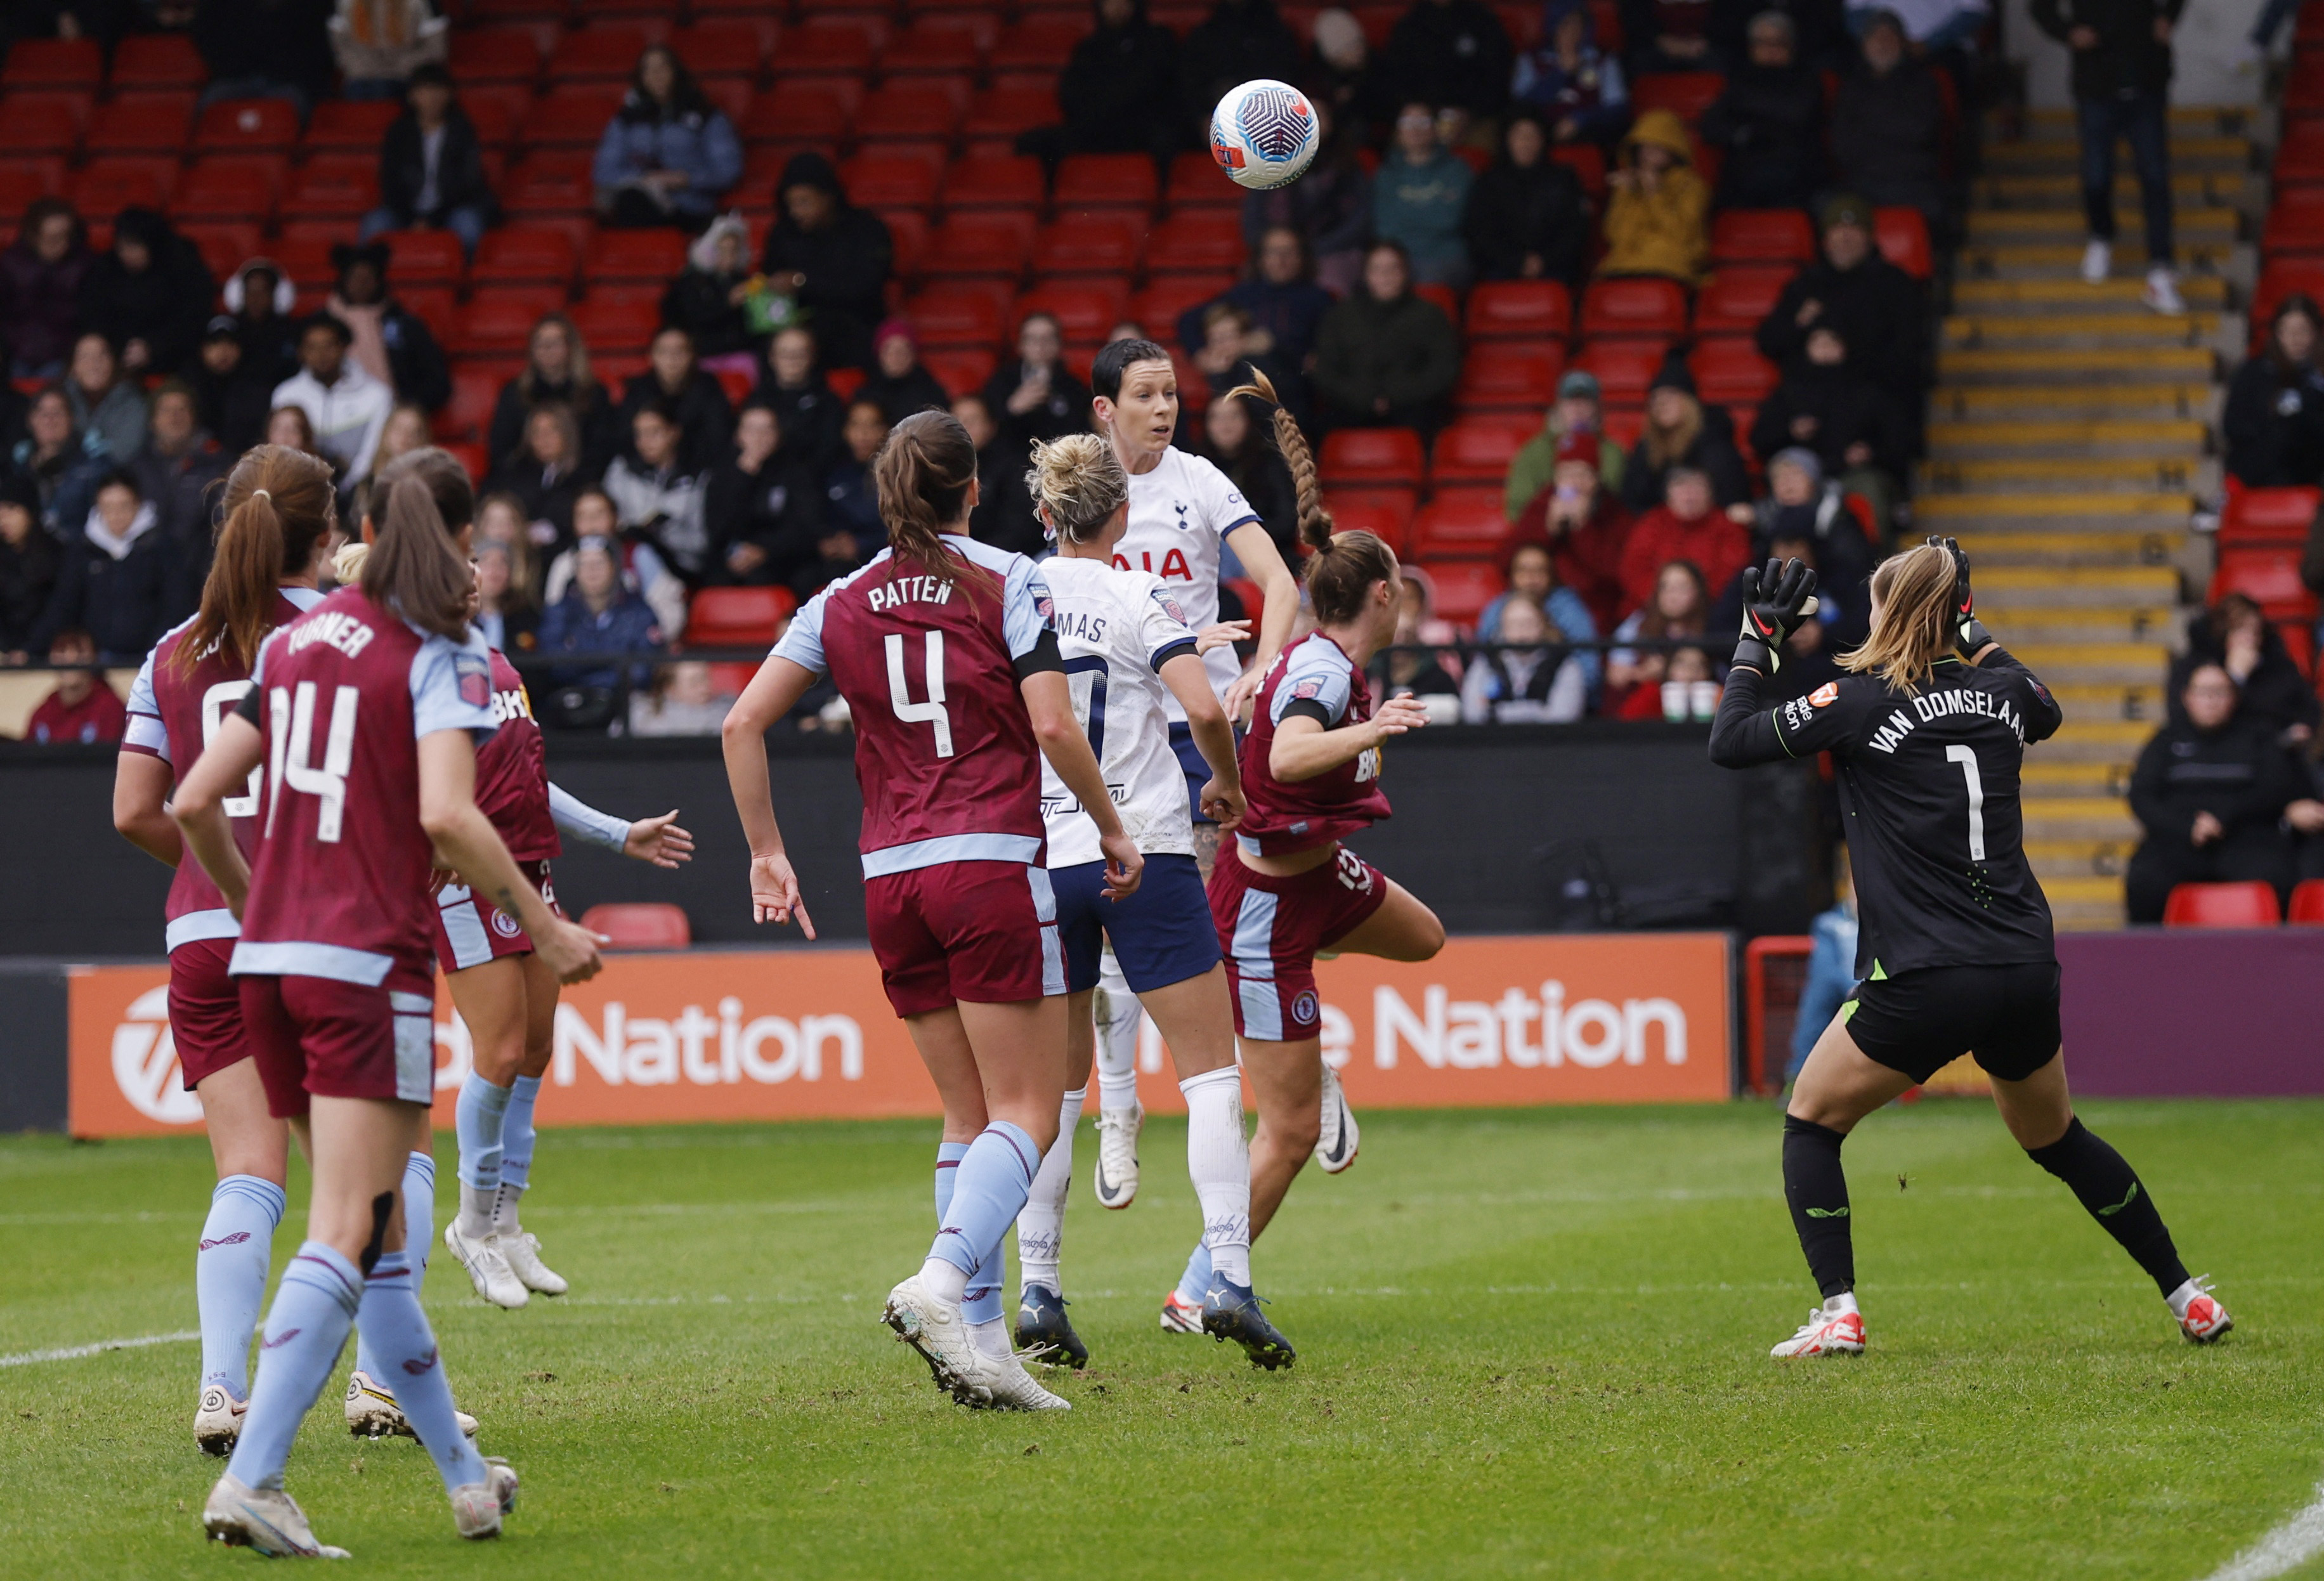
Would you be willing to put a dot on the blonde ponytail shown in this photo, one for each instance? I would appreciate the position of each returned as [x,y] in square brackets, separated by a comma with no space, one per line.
[1912,621]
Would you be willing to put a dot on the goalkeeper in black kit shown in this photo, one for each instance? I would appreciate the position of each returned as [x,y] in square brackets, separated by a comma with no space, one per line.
[1928,734]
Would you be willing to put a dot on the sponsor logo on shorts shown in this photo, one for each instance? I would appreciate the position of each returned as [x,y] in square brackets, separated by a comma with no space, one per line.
[505,925]
[420,1367]
[235,1239]
[1304,1008]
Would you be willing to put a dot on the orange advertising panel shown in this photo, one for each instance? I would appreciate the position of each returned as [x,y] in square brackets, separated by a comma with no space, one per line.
[806,1034]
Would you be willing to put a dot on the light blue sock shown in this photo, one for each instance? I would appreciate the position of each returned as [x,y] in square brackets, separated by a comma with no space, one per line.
[481,1115]
[419,1235]
[230,1275]
[989,1190]
[1194,1284]
[981,1301]
[516,1132]
[396,1330]
[314,1307]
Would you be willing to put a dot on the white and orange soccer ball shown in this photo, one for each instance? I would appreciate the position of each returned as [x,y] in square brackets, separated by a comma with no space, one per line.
[1264,135]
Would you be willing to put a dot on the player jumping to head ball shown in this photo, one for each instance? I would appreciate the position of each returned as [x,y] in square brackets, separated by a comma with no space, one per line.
[1956,954]
[945,651]
[1127,649]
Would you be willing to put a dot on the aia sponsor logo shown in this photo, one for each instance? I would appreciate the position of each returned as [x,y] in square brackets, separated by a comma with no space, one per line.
[421,1367]
[235,1239]
[279,1340]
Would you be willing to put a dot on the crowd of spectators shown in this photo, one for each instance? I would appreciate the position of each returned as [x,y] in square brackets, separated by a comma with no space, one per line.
[738,455]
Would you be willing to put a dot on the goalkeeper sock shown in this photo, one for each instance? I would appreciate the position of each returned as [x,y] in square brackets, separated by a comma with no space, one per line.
[2105,1183]
[1816,1186]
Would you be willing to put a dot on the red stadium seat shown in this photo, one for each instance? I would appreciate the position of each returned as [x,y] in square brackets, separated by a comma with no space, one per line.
[145,123]
[2222,906]
[26,180]
[1902,235]
[500,320]
[893,178]
[496,110]
[1158,307]
[1399,502]
[157,63]
[2307,904]
[437,307]
[1197,242]
[1371,457]
[224,245]
[2254,516]
[1105,180]
[1086,310]
[551,182]
[1762,235]
[1520,310]
[334,185]
[636,256]
[737,616]
[230,187]
[428,258]
[570,116]
[2295,224]
[475,392]
[1447,301]
[940,45]
[53,63]
[2299,156]
[961,373]
[2280,279]
[922,109]
[1463,588]
[817,111]
[960,315]
[1196,182]
[524,255]
[344,126]
[639,925]
[1685,93]
[726,46]
[994,180]
[1586,160]
[981,245]
[1040,44]
[1634,309]
[1506,377]
[1479,450]
[1088,244]
[1387,523]
[248,126]
[108,186]
[41,128]
[1732,373]
[1735,300]
[1623,368]
[1006,111]
[1464,524]
[495,54]
[611,323]
[603,52]
[305,257]
[831,46]
[2269,576]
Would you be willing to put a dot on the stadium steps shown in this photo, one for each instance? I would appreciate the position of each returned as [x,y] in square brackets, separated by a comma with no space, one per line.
[2069,443]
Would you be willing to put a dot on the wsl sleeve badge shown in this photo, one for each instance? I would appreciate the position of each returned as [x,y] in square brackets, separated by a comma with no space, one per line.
[1264,135]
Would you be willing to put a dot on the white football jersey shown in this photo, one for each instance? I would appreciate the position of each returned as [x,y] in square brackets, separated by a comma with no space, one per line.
[1178,513]
[1115,630]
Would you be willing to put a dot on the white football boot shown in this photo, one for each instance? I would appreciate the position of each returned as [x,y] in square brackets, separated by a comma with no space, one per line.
[2201,1316]
[217,1420]
[373,1412]
[488,1268]
[1007,1386]
[478,1506]
[522,1253]
[1337,1141]
[1181,1316]
[1117,1156]
[1833,1329]
[934,1328]
[266,1519]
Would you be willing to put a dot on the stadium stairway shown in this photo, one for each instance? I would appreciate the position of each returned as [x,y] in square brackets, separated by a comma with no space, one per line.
[2069,443]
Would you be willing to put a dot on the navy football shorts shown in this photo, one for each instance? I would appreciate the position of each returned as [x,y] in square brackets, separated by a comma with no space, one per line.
[1162,934]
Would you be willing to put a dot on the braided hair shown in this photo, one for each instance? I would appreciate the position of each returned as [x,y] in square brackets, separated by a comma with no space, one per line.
[1340,566]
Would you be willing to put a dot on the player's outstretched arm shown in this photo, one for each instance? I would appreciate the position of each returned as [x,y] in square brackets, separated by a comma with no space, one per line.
[468,842]
[1190,684]
[773,693]
[1304,748]
[659,840]
[140,812]
[1744,733]
[1050,701]
[199,806]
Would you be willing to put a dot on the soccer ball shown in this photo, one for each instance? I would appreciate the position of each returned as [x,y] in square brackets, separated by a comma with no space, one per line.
[1264,135]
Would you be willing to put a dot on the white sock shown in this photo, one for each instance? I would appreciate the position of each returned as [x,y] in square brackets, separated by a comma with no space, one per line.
[1041,1226]
[478,1207]
[990,1337]
[1218,1158]
[947,1281]
[1835,1306]
[1119,1015]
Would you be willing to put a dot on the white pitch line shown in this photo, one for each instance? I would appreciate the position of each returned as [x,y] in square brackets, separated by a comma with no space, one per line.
[2287,1548]
[75,1352]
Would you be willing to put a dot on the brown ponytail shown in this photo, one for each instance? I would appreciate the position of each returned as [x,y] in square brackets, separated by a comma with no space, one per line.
[922,475]
[1343,566]
[277,503]
[414,566]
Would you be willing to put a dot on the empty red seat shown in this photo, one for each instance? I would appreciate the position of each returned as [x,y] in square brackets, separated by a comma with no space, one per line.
[982,245]
[145,123]
[496,110]
[437,307]
[230,187]
[1520,310]
[157,62]
[570,116]
[25,181]
[334,185]
[224,244]
[521,255]
[1588,162]
[495,54]
[1447,299]
[940,44]
[501,319]
[247,126]
[1479,450]
[1501,377]
[1762,235]
[1623,369]
[726,46]
[1390,523]
[831,46]
[1196,242]
[1685,93]
[1086,311]
[2307,903]
[2295,224]
[2251,904]
[1371,457]
[639,925]
[1735,300]
[2268,516]
[1729,372]
[737,616]
[994,180]
[1040,44]
[1466,524]
[603,52]
[651,256]
[2269,575]
[818,111]
[1105,180]
[305,256]
[108,186]
[1087,244]
[53,63]
[345,126]
[2280,279]
[908,238]
[1634,309]
[45,127]
[1197,182]
[550,181]
[962,372]
[892,178]
[1902,235]
[960,315]
[2300,155]
[1004,112]
[475,392]
[918,109]
[1463,588]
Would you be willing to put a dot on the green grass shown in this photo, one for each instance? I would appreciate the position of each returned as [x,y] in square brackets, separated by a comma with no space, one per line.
[1531,1342]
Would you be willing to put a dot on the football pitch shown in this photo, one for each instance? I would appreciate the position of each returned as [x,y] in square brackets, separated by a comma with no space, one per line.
[1531,1342]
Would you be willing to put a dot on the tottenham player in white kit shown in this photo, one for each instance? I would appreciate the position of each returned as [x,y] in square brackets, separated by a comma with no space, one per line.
[1127,650]
[1181,510]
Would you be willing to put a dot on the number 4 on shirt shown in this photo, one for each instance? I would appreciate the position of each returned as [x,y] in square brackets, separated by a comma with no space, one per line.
[899,695]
